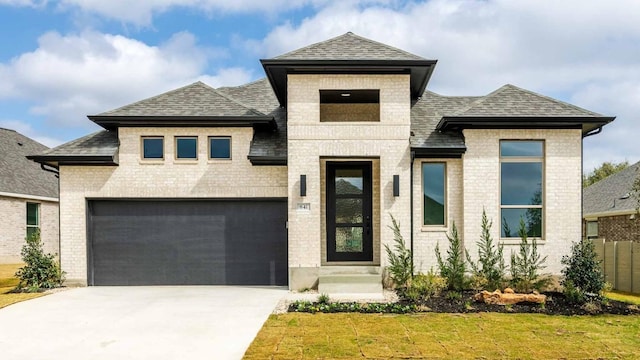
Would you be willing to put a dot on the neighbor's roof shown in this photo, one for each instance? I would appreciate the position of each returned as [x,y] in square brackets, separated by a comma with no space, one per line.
[611,194]
[349,46]
[18,175]
[514,107]
[99,148]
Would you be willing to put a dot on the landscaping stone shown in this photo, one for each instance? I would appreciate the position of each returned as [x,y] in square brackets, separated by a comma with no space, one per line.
[509,297]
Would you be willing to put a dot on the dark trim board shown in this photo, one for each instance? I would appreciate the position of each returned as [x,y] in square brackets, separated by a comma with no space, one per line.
[187,242]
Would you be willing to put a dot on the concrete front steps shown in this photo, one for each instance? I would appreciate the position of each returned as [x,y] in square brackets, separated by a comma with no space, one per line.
[351,281]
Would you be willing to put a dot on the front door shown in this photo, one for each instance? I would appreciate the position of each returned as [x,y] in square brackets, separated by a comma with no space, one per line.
[349,231]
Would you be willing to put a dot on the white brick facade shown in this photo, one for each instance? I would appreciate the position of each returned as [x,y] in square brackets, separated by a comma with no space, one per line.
[13,222]
[310,142]
[169,178]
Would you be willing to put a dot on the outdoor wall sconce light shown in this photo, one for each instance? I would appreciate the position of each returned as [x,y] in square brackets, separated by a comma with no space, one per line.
[396,185]
[303,185]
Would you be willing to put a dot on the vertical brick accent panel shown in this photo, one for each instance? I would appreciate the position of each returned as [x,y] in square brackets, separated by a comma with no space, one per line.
[562,189]
[13,227]
[170,178]
[310,140]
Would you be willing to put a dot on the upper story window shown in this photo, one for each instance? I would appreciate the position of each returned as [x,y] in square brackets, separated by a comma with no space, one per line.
[220,147]
[434,193]
[349,105]
[187,147]
[521,187]
[33,218]
[153,147]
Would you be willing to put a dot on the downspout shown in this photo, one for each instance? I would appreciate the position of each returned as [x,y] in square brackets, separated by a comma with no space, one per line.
[413,156]
[57,172]
[596,131]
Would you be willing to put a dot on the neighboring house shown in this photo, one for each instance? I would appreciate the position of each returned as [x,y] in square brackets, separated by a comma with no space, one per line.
[610,207]
[292,180]
[28,197]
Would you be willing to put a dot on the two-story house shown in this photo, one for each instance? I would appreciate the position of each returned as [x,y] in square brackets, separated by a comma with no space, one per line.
[292,180]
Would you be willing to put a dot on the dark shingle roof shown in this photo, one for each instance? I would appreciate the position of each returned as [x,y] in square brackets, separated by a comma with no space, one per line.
[513,101]
[611,194]
[197,99]
[348,47]
[259,94]
[101,143]
[18,175]
[425,115]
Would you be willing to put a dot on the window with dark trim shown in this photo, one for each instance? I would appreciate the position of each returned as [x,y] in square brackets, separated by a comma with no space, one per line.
[434,194]
[592,229]
[220,147]
[153,147]
[521,187]
[33,218]
[349,105]
[186,147]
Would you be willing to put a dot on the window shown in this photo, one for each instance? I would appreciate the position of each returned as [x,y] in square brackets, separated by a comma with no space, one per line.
[187,147]
[349,105]
[220,147]
[521,190]
[434,193]
[153,147]
[33,218]
[592,229]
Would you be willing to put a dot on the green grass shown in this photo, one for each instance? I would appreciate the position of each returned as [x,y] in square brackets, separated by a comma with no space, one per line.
[8,282]
[624,297]
[446,336]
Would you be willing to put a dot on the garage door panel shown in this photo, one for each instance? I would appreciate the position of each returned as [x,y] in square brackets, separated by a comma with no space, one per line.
[187,242]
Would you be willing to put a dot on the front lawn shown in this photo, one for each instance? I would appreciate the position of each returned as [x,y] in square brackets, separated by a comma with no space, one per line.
[446,336]
[624,297]
[8,282]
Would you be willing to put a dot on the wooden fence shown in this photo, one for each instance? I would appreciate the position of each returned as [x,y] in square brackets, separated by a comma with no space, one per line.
[620,264]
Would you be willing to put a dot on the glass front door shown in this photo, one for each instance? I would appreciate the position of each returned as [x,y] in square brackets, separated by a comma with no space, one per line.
[349,215]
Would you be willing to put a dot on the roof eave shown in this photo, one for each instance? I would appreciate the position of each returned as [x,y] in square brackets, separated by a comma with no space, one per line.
[267,160]
[438,152]
[58,160]
[110,122]
[277,70]
[585,123]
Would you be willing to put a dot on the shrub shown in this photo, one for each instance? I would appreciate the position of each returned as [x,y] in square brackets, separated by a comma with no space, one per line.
[527,264]
[41,270]
[400,258]
[582,274]
[488,272]
[424,286]
[453,267]
[323,299]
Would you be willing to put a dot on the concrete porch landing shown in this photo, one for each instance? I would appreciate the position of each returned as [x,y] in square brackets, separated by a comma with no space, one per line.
[351,281]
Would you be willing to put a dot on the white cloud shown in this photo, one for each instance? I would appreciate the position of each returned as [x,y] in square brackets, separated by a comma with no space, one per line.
[585,52]
[68,77]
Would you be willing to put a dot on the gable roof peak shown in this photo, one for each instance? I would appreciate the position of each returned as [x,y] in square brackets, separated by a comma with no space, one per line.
[348,46]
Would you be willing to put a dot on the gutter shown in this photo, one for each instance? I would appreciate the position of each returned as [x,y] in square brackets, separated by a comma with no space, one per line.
[53,170]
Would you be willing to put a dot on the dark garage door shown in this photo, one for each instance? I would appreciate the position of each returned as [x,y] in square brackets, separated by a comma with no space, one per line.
[187,242]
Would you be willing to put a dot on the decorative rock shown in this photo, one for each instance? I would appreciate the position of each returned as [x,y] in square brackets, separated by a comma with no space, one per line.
[508,298]
[509,291]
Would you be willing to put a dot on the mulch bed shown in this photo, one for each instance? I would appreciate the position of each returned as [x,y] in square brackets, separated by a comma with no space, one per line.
[556,304]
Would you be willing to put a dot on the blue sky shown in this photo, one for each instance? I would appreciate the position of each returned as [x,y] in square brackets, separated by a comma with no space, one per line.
[62,60]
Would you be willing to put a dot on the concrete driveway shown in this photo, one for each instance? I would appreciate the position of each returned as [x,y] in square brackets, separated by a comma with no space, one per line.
[181,322]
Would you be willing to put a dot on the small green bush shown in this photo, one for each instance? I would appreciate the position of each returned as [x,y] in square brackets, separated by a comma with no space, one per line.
[527,264]
[453,267]
[335,307]
[323,299]
[582,276]
[400,258]
[41,270]
[424,286]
